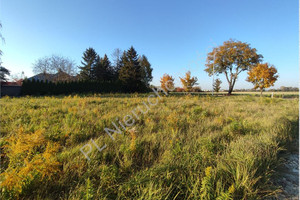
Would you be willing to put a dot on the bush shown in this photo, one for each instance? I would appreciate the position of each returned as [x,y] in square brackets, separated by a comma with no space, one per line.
[31,158]
[196,89]
[178,89]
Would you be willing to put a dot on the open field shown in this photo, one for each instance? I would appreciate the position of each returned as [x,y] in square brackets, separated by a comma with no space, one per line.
[183,147]
[265,94]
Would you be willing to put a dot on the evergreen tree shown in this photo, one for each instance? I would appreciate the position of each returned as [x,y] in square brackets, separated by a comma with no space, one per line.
[130,72]
[3,73]
[108,69]
[89,58]
[146,70]
[103,70]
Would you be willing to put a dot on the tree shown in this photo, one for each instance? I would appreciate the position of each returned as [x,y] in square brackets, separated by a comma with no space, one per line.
[117,57]
[102,70]
[89,59]
[2,39]
[3,73]
[231,58]
[188,82]
[167,83]
[146,69]
[262,76]
[18,78]
[130,72]
[3,70]
[217,85]
[62,67]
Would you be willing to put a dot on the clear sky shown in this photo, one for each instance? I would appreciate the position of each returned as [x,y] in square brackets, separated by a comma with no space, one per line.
[175,35]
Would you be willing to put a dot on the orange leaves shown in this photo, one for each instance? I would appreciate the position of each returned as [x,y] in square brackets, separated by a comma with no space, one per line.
[231,58]
[188,82]
[31,157]
[262,76]
[167,82]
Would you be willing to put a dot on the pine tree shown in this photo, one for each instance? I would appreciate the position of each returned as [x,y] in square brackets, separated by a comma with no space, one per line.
[146,70]
[130,72]
[103,70]
[97,70]
[3,73]
[89,58]
[107,68]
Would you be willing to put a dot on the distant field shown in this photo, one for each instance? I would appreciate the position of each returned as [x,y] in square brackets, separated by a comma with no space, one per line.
[184,147]
[265,94]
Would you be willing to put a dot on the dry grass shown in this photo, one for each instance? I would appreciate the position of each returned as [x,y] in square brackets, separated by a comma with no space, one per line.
[185,147]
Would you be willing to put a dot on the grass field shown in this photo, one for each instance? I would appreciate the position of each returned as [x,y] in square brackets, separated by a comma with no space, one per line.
[276,94]
[184,147]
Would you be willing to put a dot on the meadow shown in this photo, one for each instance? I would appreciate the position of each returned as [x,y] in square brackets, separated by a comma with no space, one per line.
[184,147]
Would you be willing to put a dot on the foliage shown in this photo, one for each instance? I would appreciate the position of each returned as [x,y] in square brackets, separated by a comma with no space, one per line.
[89,58]
[3,73]
[217,85]
[178,89]
[74,87]
[196,89]
[231,58]
[146,70]
[188,82]
[89,190]
[134,73]
[167,82]
[206,189]
[262,76]
[102,70]
[30,158]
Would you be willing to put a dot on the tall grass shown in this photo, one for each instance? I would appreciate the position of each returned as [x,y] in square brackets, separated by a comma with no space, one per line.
[185,147]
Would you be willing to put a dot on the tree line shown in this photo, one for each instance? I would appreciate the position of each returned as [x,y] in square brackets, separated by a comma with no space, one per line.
[129,73]
[134,72]
[230,59]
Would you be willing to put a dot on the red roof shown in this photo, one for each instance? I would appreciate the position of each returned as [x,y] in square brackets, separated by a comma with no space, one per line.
[17,83]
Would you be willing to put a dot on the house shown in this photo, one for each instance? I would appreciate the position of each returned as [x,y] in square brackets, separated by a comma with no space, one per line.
[59,76]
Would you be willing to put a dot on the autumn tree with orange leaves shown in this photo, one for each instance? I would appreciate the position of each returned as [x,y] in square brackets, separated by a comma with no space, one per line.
[231,58]
[167,82]
[188,81]
[262,76]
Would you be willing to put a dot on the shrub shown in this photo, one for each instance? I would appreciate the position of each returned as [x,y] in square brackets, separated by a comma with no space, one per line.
[196,89]
[31,158]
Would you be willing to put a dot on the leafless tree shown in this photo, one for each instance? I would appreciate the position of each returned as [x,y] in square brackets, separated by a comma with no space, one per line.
[116,55]
[62,67]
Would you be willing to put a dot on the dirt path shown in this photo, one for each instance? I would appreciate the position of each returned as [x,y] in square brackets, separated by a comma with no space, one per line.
[287,177]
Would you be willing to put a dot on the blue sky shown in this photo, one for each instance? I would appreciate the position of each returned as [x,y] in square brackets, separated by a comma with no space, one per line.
[174,35]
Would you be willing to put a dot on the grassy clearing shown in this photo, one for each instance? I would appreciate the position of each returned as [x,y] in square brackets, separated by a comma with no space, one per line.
[185,147]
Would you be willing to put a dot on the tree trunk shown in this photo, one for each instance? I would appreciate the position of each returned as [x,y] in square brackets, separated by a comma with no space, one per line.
[261,90]
[230,90]
[231,84]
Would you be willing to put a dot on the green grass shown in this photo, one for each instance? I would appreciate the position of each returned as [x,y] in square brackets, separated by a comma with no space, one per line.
[185,147]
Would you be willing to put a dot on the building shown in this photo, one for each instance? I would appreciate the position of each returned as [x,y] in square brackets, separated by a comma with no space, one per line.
[59,76]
